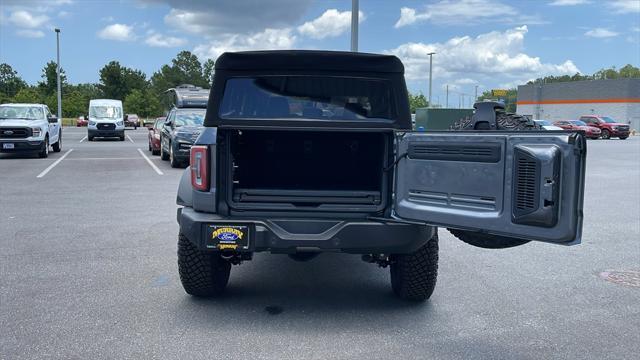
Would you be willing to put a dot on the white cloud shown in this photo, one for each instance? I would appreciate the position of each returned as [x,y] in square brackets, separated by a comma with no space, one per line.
[568,2]
[635,29]
[64,14]
[269,39]
[118,32]
[159,40]
[624,6]
[233,17]
[491,56]
[30,33]
[331,23]
[459,12]
[25,19]
[107,19]
[601,33]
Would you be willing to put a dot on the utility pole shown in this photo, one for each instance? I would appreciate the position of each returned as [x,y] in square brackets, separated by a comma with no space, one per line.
[475,99]
[430,73]
[447,96]
[58,74]
[354,25]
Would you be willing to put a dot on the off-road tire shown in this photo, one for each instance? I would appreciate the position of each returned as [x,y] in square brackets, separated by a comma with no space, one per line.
[508,122]
[44,153]
[487,241]
[504,121]
[57,147]
[605,134]
[201,274]
[413,276]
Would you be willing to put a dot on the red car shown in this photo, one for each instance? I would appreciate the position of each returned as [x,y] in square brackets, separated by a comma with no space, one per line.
[590,131]
[608,126]
[82,121]
[154,135]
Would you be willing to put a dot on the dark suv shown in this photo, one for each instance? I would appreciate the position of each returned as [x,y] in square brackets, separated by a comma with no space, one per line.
[305,152]
[608,127]
[183,124]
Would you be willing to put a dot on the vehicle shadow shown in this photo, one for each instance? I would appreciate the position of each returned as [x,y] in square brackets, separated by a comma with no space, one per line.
[332,287]
[19,155]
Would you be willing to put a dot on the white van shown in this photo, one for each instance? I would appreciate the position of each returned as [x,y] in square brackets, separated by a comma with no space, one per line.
[106,119]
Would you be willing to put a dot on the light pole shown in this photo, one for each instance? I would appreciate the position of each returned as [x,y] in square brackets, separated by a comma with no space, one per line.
[430,73]
[354,25]
[58,73]
[475,99]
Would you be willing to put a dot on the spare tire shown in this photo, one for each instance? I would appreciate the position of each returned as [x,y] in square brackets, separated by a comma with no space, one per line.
[507,122]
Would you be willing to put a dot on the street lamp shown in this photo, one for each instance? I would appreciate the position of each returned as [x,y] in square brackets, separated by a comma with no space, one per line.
[430,73]
[58,73]
[354,25]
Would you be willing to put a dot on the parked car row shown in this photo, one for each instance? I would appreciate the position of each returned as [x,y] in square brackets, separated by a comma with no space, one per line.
[594,126]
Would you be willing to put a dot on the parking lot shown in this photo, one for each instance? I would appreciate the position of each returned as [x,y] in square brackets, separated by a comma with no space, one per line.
[88,270]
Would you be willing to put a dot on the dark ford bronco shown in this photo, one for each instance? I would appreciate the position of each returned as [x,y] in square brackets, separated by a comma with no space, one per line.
[307,152]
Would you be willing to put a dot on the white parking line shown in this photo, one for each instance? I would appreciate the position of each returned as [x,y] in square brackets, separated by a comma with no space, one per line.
[83,139]
[153,166]
[104,158]
[130,139]
[45,171]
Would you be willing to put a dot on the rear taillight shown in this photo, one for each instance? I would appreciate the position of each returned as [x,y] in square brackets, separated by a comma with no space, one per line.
[199,170]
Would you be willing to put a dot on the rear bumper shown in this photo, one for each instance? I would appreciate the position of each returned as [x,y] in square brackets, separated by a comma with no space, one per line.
[319,235]
[20,145]
[105,133]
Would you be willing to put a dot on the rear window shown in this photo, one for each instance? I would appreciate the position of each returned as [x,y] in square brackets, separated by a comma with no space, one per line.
[307,97]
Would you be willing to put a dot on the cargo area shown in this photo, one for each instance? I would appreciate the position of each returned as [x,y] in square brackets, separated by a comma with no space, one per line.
[308,169]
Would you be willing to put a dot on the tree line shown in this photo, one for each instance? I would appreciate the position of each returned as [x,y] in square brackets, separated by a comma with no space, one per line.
[140,95]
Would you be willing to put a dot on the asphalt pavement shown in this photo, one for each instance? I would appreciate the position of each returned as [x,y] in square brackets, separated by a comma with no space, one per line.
[88,270]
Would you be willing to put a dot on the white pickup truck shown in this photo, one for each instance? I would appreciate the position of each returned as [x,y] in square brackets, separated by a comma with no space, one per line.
[29,128]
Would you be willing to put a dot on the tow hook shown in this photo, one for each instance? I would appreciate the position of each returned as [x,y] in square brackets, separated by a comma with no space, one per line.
[381,259]
[235,258]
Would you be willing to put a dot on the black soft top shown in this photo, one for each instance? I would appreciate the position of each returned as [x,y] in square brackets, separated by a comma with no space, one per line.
[309,60]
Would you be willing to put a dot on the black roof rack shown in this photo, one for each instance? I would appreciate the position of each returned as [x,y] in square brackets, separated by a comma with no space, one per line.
[189,96]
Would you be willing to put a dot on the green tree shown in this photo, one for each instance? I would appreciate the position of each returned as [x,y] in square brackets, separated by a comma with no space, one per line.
[49,83]
[208,69]
[189,68]
[417,101]
[116,81]
[142,102]
[10,82]
[27,95]
[509,100]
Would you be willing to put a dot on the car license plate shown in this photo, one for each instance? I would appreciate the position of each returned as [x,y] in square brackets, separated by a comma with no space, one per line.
[228,237]
[7,146]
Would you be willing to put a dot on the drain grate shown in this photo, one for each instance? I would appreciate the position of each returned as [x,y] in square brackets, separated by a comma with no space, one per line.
[623,277]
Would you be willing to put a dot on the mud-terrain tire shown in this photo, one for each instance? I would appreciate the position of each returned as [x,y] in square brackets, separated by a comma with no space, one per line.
[413,276]
[507,122]
[504,121]
[201,274]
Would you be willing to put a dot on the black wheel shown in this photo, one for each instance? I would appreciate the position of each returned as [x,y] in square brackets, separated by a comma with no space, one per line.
[504,121]
[201,274]
[172,159]
[89,138]
[44,153]
[57,147]
[155,152]
[413,276]
[150,146]
[163,155]
[623,137]
[605,134]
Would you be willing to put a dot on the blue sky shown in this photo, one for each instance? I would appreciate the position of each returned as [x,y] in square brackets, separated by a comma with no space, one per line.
[488,43]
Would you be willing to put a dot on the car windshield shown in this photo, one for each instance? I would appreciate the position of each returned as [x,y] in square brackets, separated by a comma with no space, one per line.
[189,117]
[578,123]
[543,122]
[307,97]
[158,124]
[608,120]
[105,112]
[21,112]
[132,116]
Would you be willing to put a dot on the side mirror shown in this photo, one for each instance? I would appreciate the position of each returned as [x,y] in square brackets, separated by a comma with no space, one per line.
[126,117]
[86,117]
[52,119]
[167,124]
